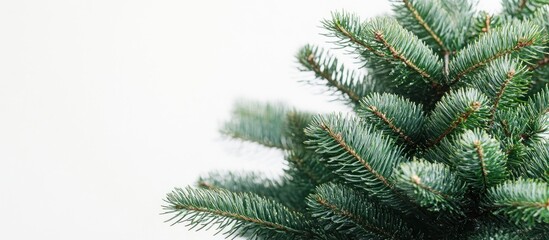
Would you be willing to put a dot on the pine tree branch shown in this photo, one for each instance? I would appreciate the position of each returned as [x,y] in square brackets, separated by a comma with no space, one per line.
[354,40]
[348,211]
[460,119]
[422,22]
[520,39]
[349,27]
[479,160]
[541,63]
[480,154]
[390,124]
[523,201]
[352,85]
[499,95]
[432,186]
[535,164]
[477,65]
[396,116]
[299,162]
[397,55]
[339,139]
[260,123]
[328,77]
[522,9]
[355,219]
[244,213]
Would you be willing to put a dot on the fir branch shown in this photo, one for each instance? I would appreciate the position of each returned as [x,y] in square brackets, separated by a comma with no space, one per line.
[522,201]
[396,116]
[347,211]
[483,23]
[499,95]
[355,219]
[256,183]
[537,118]
[390,124]
[460,119]
[479,159]
[522,9]
[522,4]
[401,57]
[260,123]
[358,154]
[244,213]
[432,186]
[438,23]
[299,162]
[518,38]
[304,167]
[505,81]
[482,163]
[464,90]
[350,31]
[420,19]
[541,63]
[424,24]
[392,50]
[536,163]
[509,128]
[541,17]
[341,142]
[459,110]
[538,105]
[443,152]
[413,53]
[499,233]
[347,82]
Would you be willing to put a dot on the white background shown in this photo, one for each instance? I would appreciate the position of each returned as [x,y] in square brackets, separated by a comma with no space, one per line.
[105,106]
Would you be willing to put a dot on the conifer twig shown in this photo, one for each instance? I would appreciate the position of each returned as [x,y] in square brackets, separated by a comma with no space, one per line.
[426,26]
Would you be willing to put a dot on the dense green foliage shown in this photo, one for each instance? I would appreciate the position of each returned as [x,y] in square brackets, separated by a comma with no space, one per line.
[448,137]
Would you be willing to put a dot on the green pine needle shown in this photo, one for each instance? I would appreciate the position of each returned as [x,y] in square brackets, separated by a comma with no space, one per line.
[522,8]
[342,209]
[352,85]
[239,214]
[505,81]
[520,39]
[260,123]
[432,185]
[479,160]
[522,201]
[356,153]
[395,116]
[438,23]
[457,111]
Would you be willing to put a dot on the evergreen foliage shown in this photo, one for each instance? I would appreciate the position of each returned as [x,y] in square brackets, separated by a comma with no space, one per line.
[448,137]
